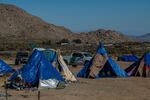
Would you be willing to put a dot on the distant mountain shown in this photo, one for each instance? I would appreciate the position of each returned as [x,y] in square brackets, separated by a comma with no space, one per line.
[18,25]
[143,38]
[107,36]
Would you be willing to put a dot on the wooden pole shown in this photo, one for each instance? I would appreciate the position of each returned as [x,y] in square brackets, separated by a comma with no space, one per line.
[39,95]
[6,94]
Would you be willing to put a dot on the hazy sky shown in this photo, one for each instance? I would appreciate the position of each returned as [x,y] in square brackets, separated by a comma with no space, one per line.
[127,16]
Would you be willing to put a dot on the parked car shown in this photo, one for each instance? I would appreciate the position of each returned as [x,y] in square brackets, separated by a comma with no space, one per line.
[78,58]
[21,57]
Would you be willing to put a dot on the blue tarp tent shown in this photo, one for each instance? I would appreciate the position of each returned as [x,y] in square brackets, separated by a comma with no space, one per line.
[101,49]
[4,68]
[129,58]
[84,72]
[55,58]
[38,68]
[147,59]
[110,67]
[50,55]
[144,61]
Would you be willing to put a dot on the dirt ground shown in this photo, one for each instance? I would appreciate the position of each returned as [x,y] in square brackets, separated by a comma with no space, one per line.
[91,89]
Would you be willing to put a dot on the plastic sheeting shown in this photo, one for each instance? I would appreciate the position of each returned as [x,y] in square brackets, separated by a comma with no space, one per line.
[144,63]
[133,69]
[50,83]
[53,56]
[112,69]
[129,58]
[68,75]
[101,50]
[147,60]
[38,68]
[84,72]
[50,55]
[4,68]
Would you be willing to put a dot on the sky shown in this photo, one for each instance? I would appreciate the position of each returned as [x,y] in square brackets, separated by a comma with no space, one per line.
[131,17]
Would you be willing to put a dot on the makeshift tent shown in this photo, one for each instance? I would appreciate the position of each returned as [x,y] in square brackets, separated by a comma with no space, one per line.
[129,58]
[50,55]
[57,60]
[109,69]
[140,67]
[112,69]
[39,71]
[4,68]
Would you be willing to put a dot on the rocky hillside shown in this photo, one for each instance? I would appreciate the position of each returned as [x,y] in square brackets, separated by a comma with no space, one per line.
[18,25]
[107,36]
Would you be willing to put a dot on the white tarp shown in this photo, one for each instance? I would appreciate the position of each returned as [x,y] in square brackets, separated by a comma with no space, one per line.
[68,75]
[50,83]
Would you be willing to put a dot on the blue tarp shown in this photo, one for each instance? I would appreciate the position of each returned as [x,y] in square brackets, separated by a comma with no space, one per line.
[112,69]
[50,55]
[84,73]
[38,67]
[147,59]
[4,68]
[129,58]
[133,70]
[101,50]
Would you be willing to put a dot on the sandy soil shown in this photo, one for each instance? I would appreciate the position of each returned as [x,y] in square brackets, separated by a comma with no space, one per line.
[92,89]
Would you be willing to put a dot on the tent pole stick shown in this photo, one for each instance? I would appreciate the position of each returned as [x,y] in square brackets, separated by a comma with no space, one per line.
[39,95]
[6,95]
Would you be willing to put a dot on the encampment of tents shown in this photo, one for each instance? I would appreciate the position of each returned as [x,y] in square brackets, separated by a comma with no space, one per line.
[106,67]
[40,71]
[140,67]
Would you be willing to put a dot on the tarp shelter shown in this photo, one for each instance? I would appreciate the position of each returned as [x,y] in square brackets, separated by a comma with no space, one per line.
[129,58]
[4,68]
[109,68]
[50,55]
[39,71]
[140,67]
[58,62]
[112,69]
